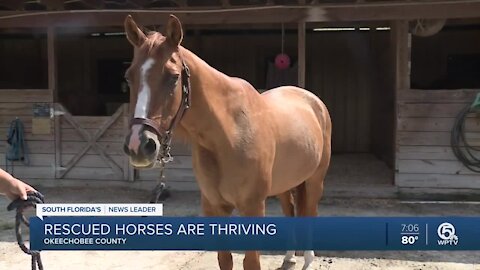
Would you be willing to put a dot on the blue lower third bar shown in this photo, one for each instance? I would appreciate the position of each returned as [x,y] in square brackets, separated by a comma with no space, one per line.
[268,233]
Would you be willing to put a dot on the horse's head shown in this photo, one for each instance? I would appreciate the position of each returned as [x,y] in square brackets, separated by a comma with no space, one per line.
[155,78]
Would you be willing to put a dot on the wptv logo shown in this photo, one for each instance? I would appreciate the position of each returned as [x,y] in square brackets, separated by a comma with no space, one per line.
[446,232]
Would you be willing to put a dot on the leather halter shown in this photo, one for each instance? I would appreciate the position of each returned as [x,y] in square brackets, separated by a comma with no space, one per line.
[165,135]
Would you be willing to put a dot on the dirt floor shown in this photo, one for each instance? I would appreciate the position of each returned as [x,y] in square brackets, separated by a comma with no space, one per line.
[187,204]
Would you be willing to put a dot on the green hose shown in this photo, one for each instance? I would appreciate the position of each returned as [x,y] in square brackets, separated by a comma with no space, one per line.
[465,153]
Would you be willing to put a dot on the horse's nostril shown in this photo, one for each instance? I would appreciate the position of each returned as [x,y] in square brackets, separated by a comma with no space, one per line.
[150,147]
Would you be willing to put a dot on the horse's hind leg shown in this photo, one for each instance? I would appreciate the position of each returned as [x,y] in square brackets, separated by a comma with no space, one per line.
[304,207]
[288,208]
[287,203]
[308,196]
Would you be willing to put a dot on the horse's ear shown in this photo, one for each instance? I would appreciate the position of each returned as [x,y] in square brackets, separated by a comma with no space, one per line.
[134,34]
[174,31]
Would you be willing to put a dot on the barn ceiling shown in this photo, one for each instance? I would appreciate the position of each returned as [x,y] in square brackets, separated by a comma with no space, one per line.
[107,13]
[32,5]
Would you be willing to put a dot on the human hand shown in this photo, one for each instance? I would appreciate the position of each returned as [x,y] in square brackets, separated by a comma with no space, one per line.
[15,188]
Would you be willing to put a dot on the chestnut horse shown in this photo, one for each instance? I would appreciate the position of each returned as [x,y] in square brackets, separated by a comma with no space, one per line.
[246,146]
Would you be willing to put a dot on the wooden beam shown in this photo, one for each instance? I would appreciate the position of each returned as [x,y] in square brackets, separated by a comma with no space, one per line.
[380,11]
[438,180]
[58,140]
[52,63]
[401,41]
[100,18]
[128,169]
[376,11]
[25,95]
[399,38]
[301,54]
[437,96]
[52,86]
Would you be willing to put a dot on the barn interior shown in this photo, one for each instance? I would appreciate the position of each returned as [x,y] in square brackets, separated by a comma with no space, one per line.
[348,65]
[359,98]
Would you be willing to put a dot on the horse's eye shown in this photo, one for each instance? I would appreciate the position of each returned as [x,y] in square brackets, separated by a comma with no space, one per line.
[173,79]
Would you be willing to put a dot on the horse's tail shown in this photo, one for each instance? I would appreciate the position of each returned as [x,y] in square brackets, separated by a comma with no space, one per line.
[325,121]
[327,133]
[320,109]
[323,116]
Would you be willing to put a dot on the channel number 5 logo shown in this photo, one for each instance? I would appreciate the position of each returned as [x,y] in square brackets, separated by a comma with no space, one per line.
[446,232]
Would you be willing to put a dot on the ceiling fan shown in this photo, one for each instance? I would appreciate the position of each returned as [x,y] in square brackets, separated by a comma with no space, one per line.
[426,27]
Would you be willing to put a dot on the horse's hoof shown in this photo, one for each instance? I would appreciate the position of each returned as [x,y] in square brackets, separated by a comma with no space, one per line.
[288,265]
[308,267]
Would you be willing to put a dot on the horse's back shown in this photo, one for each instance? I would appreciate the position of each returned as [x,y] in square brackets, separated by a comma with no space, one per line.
[302,130]
[293,93]
[294,97]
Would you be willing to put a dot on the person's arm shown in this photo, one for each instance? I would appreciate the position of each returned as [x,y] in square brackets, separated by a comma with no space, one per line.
[12,187]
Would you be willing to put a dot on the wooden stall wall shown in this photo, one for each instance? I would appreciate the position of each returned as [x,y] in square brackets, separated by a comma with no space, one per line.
[91,147]
[424,154]
[40,147]
[425,119]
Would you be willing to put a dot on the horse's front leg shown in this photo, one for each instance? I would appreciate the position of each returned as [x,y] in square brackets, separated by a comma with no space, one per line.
[225,261]
[253,208]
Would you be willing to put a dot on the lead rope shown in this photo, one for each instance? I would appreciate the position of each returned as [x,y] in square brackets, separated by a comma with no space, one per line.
[33,198]
[160,192]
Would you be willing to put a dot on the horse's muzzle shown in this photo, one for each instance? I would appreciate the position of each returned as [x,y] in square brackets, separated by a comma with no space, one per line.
[142,146]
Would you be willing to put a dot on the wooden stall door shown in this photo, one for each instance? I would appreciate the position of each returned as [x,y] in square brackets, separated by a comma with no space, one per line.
[90,147]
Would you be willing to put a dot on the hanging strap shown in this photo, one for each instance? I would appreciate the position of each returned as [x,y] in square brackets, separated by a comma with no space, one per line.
[17,149]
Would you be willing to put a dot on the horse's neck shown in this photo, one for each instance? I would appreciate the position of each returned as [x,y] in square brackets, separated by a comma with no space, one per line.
[211,97]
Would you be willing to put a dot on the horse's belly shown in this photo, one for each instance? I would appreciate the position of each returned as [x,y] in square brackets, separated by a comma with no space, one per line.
[299,144]
[297,157]
[291,169]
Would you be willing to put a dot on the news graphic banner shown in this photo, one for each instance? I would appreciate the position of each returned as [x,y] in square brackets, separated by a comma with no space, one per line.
[142,227]
[99,209]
